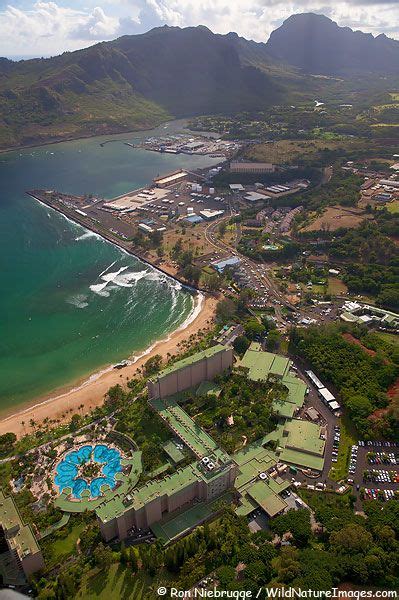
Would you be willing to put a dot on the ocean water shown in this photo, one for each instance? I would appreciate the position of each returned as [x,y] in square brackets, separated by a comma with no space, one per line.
[70,302]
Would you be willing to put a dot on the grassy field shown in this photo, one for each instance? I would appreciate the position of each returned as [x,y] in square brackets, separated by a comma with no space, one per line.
[335,217]
[285,151]
[393,207]
[63,547]
[118,582]
[319,289]
[339,470]
[391,338]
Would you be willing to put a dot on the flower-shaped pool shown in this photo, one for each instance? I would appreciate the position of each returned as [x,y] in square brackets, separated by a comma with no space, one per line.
[88,468]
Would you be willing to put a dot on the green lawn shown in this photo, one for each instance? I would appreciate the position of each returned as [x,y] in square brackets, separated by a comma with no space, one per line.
[116,583]
[65,546]
[318,289]
[390,338]
[339,470]
[393,207]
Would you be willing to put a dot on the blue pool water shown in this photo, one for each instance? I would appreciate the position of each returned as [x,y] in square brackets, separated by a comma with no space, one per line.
[67,472]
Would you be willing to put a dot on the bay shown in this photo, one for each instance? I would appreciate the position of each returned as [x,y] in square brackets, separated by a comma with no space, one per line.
[70,302]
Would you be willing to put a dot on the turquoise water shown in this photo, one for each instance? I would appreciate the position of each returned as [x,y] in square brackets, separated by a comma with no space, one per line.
[67,472]
[71,303]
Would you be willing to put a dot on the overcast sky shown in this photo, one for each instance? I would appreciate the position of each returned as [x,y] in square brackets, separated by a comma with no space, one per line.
[29,28]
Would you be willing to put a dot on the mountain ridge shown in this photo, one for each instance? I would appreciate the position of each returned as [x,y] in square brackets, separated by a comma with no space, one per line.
[138,81]
[317,44]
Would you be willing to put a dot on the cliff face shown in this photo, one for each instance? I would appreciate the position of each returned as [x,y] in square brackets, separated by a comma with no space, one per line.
[317,44]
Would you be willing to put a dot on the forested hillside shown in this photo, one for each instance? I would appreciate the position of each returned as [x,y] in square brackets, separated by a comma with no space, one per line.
[361,380]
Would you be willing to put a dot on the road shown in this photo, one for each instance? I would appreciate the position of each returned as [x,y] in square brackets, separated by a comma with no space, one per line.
[211,236]
[259,271]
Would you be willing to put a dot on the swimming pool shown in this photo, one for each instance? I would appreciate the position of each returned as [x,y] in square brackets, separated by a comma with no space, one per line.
[88,468]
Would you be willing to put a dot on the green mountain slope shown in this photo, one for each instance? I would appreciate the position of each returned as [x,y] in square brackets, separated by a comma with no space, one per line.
[132,83]
[136,82]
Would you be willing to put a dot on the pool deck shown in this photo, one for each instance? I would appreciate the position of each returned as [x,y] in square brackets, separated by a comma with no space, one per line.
[127,481]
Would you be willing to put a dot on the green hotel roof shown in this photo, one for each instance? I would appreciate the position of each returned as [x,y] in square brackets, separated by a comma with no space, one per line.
[296,389]
[190,360]
[169,485]
[304,436]
[282,408]
[278,485]
[296,396]
[250,470]
[262,364]
[139,497]
[246,506]
[302,459]
[18,534]
[267,499]
[187,429]
[173,451]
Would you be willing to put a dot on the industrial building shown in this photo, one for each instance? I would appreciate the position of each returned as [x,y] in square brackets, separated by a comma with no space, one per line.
[390,183]
[24,556]
[209,215]
[228,263]
[191,371]
[256,196]
[171,178]
[325,395]
[251,167]
[236,187]
[354,312]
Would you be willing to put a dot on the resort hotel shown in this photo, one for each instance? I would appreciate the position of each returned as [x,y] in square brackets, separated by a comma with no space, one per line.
[176,503]
[99,476]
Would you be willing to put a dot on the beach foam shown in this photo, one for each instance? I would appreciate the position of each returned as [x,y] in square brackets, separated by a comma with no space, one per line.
[79,301]
[85,236]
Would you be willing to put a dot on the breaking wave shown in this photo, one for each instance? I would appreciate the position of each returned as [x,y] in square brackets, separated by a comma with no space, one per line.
[85,236]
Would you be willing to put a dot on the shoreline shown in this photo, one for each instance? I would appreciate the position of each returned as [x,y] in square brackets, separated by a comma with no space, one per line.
[91,391]
[116,242]
[40,144]
[87,392]
[79,137]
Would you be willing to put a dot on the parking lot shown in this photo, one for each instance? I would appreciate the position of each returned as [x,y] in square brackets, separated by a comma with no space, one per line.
[374,470]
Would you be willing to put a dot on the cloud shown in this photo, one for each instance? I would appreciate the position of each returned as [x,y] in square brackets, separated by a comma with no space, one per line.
[96,26]
[49,28]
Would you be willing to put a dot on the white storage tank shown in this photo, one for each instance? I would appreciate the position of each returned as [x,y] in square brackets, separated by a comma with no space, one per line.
[212,191]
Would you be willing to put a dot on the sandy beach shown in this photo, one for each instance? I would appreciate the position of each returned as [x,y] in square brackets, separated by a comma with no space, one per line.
[85,395]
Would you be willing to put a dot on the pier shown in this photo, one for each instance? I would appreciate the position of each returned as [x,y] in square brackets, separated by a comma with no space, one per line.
[68,208]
